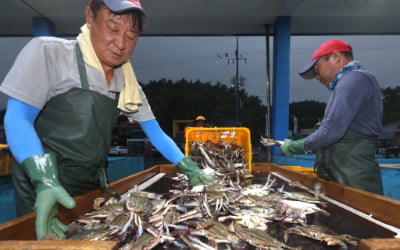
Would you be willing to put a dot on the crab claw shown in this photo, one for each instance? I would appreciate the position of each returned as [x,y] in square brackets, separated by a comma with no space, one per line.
[266,142]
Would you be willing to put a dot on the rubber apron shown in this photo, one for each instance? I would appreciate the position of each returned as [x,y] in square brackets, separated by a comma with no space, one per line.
[351,161]
[76,126]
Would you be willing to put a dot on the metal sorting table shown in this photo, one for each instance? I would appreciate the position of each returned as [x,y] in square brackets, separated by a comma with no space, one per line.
[373,218]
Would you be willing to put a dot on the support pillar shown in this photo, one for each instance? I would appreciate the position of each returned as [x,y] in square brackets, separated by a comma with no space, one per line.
[42,27]
[281,81]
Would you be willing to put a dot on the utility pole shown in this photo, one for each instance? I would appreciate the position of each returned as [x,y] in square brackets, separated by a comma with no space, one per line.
[237,81]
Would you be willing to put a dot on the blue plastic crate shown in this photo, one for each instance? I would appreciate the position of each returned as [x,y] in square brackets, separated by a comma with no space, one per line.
[120,167]
[7,201]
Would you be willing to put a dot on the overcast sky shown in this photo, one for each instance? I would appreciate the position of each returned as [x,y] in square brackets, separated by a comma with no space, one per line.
[204,59]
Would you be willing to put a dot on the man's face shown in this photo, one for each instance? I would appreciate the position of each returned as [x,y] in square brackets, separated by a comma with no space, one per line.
[325,69]
[113,36]
[200,123]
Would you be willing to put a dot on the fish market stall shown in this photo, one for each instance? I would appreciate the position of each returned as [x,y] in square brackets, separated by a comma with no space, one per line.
[373,219]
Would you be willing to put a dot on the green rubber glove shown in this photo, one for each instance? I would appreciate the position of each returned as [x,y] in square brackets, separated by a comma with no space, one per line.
[290,147]
[42,169]
[194,173]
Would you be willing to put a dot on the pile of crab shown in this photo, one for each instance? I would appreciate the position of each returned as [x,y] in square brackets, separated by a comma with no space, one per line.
[231,213]
[219,158]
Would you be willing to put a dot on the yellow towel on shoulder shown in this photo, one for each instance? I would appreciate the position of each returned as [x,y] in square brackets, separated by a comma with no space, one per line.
[129,98]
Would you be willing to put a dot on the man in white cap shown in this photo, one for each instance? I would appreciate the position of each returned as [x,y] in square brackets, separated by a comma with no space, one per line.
[64,100]
[346,140]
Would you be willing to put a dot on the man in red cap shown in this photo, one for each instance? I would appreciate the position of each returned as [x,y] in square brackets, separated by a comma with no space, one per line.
[64,99]
[346,140]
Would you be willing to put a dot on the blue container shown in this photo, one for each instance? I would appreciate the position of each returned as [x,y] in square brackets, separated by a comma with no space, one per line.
[391,182]
[7,201]
[120,167]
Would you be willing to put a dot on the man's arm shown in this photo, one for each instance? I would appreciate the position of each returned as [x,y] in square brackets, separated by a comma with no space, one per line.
[41,168]
[20,131]
[171,151]
[340,112]
[160,140]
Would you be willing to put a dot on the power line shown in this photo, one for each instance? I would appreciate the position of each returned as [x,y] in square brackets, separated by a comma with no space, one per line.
[236,81]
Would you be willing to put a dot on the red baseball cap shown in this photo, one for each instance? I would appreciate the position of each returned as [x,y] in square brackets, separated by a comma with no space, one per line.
[325,49]
[121,5]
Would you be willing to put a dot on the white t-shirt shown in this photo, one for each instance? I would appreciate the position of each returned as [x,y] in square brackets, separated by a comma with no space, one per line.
[47,67]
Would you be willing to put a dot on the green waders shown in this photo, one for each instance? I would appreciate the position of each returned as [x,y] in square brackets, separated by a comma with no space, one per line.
[76,126]
[351,161]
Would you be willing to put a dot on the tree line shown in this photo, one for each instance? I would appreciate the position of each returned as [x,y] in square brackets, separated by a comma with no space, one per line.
[391,104]
[184,100]
[309,113]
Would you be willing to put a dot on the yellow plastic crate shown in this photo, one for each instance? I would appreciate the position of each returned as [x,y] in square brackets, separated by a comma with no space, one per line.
[5,160]
[239,136]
